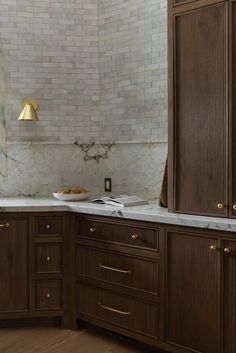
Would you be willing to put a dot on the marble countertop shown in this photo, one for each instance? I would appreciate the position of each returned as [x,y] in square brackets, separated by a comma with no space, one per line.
[151,212]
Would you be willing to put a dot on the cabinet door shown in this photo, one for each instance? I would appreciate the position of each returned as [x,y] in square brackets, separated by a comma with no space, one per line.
[198,179]
[193,292]
[233,113]
[229,297]
[13,266]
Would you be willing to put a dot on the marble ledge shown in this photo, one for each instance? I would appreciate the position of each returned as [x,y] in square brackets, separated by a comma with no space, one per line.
[151,212]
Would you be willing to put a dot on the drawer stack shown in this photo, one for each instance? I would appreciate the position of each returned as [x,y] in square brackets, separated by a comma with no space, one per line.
[46,275]
[117,271]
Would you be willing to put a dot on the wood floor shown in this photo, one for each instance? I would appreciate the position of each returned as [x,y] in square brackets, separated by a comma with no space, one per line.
[55,340]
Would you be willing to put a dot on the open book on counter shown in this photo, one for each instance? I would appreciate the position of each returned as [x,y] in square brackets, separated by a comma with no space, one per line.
[121,200]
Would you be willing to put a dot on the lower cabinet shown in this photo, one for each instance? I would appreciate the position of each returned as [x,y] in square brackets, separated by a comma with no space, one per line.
[14,267]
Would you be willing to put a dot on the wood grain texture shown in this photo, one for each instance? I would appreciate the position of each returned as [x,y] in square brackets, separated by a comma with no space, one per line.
[117,232]
[229,297]
[143,274]
[14,267]
[193,292]
[94,302]
[55,340]
[200,151]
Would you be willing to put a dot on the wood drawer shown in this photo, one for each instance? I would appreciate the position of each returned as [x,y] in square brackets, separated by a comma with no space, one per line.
[128,234]
[48,295]
[117,309]
[48,226]
[48,258]
[124,270]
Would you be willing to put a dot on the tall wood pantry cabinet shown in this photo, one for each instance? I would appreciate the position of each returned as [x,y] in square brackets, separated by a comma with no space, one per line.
[202,107]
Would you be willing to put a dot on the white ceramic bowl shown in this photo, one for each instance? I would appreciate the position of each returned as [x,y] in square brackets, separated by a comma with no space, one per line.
[72,197]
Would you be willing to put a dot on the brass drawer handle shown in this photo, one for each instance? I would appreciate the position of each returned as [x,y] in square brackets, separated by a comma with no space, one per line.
[48,295]
[127,313]
[134,236]
[92,230]
[4,225]
[48,226]
[220,206]
[227,250]
[213,248]
[48,258]
[114,269]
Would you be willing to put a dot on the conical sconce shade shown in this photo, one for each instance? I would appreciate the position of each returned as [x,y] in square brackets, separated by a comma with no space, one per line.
[29,111]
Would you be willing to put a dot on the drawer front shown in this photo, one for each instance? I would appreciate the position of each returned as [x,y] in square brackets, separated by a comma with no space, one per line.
[123,270]
[48,258]
[48,295]
[120,310]
[48,226]
[123,234]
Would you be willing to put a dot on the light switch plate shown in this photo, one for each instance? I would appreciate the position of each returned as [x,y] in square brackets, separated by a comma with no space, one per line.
[108,184]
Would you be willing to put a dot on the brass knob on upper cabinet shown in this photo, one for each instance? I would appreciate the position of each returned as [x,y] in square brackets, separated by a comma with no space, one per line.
[213,247]
[92,230]
[234,207]
[227,250]
[220,205]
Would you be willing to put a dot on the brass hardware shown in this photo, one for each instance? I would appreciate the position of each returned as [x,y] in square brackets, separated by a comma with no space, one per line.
[234,207]
[213,247]
[4,225]
[48,295]
[92,230]
[220,206]
[134,236]
[48,258]
[48,226]
[227,250]
[114,269]
[127,313]
[28,113]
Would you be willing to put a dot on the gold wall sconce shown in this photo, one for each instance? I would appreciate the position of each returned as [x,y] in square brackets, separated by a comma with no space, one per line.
[30,106]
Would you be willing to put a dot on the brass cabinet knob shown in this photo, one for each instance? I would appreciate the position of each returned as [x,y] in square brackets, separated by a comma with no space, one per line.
[220,206]
[134,236]
[48,226]
[234,207]
[213,247]
[48,258]
[227,250]
[4,225]
[48,295]
[92,230]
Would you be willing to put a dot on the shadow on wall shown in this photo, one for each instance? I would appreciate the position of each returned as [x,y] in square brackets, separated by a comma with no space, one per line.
[3,96]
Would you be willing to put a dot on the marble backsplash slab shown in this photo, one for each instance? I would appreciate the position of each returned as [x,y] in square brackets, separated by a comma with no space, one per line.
[38,170]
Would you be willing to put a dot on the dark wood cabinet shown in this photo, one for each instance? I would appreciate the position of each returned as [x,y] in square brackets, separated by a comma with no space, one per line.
[193,292]
[14,267]
[198,110]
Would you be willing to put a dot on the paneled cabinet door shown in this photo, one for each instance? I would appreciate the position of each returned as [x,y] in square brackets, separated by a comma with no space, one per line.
[229,297]
[193,293]
[198,178]
[13,267]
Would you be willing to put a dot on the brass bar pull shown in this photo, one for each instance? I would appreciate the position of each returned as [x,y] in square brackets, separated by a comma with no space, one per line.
[114,269]
[127,313]
[4,225]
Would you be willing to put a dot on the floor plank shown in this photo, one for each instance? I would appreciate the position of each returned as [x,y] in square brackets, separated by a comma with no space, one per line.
[55,340]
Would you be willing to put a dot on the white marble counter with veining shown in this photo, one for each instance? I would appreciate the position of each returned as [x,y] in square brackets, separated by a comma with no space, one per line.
[151,212]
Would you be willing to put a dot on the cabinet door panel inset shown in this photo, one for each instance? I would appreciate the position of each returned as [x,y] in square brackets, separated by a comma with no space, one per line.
[200,111]
[193,292]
